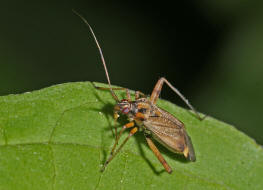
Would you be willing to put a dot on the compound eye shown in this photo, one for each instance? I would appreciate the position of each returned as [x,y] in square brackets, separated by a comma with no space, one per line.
[125,110]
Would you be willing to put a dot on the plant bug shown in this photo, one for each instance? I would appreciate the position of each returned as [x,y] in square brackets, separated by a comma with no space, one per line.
[155,122]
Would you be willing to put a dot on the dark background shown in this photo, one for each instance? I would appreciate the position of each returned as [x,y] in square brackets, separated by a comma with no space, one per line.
[212,51]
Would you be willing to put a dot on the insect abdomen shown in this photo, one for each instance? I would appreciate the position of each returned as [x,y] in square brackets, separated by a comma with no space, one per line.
[191,152]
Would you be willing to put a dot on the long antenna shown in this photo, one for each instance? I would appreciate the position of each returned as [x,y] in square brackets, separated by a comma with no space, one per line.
[101,54]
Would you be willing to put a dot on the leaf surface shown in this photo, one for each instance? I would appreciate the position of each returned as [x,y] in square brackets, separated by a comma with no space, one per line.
[59,137]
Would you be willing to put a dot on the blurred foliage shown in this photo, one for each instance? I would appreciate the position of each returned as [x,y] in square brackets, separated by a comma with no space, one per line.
[210,50]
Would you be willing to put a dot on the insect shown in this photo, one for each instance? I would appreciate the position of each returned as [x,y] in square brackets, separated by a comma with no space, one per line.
[144,114]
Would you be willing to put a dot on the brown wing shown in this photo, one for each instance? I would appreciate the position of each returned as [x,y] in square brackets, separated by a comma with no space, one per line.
[170,132]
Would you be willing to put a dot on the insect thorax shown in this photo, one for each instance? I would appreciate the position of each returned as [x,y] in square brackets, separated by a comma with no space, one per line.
[141,106]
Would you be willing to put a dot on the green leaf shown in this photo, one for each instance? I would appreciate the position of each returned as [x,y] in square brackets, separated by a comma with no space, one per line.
[59,137]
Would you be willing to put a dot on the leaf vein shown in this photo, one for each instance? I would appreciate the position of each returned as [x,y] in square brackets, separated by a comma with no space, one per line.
[54,167]
[4,135]
[62,114]
[96,187]
[124,171]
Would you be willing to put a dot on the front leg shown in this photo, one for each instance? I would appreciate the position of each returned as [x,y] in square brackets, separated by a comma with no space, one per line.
[128,95]
[139,94]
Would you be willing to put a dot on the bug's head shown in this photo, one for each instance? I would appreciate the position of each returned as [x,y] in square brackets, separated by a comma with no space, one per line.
[123,106]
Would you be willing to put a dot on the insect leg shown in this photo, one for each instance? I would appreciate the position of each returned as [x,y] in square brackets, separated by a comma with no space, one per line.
[139,94]
[158,154]
[126,126]
[115,116]
[157,90]
[126,89]
[105,88]
[132,132]
[128,95]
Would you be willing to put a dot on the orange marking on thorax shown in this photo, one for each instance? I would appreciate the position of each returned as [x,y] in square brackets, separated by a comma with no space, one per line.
[142,105]
[139,115]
